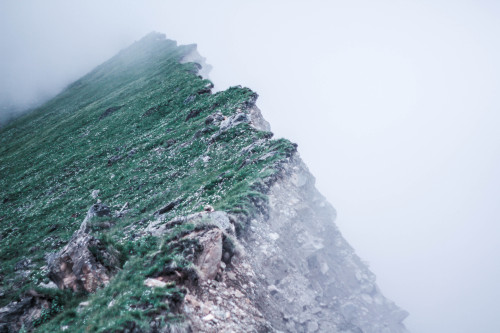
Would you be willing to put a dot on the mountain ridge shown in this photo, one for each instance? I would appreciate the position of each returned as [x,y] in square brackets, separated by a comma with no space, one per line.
[190,198]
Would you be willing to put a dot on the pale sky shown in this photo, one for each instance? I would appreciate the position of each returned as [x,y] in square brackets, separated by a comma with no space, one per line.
[394,105]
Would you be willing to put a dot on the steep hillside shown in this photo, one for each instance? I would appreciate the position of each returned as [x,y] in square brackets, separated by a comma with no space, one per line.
[139,201]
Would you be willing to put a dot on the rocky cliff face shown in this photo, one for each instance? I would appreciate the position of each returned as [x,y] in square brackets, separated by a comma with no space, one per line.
[314,280]
[296,272]
[199,221]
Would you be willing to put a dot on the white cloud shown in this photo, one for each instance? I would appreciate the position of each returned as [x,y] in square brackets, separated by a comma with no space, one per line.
[394,106]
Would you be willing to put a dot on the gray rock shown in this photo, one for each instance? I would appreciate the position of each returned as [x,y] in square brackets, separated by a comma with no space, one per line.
[49,285]
[214,118]
[230,122]
[219,219]
[312,326]
[209,260]
[22,264]
[234,120]
[82,306]
[95,194]
[258,121]
[84,264]
[168,207]
[16,315]
[189,99]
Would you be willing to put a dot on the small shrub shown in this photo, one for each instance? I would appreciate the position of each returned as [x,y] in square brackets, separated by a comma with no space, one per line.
[47,314]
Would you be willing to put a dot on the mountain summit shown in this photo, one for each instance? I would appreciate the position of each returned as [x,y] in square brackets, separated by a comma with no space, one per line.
[137,200]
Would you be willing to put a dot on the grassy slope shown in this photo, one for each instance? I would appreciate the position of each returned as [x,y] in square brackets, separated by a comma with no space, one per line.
[142,151]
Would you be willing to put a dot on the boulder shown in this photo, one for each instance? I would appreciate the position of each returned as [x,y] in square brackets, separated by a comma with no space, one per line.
[154,283]
[16,315]
[209,259]
[85,263]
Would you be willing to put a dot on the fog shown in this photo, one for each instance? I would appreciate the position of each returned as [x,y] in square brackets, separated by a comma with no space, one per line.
[394,106]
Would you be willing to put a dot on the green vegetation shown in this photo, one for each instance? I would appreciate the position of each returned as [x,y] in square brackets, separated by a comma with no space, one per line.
[134,129]
[47,314]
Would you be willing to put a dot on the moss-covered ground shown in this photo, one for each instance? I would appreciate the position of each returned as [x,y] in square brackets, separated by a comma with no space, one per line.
[134,128]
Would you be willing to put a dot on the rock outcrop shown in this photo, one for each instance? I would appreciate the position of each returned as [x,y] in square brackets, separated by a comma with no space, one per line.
[194,56]
[23,313]
[85,263]
[294,271]
[209,260]
[211,234]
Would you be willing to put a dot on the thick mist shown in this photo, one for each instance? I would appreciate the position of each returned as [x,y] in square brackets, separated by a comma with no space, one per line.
[394,106]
